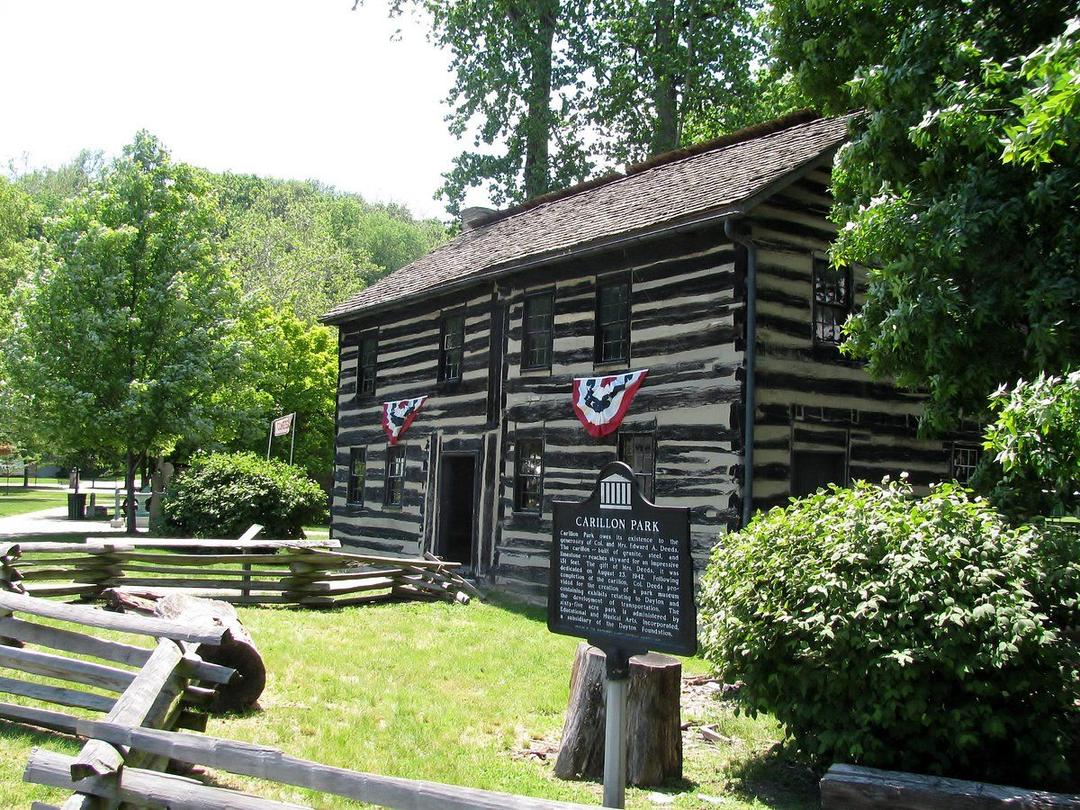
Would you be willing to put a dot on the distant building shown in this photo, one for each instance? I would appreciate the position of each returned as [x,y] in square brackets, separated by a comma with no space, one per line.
[652,270]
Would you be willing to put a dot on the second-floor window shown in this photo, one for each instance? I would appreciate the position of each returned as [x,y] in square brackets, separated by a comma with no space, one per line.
[452,347]
[536,322]
[832,301]
[367,357]
[613,320]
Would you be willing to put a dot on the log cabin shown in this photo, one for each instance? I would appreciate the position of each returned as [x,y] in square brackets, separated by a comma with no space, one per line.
[706,267]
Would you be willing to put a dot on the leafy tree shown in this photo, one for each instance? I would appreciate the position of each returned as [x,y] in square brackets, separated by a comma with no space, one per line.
[656,63]
[19,219]
[288,365]
[50,188]
[125,331]
[974,254]
[19,222]
[552,88]
[1033,465]
[770,94]
[283,250]
[308,247]
[515,81]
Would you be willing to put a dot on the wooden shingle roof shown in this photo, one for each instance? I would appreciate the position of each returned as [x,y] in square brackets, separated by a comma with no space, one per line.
[725,179]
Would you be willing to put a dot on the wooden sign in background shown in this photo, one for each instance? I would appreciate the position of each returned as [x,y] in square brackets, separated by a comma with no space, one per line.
[621,572]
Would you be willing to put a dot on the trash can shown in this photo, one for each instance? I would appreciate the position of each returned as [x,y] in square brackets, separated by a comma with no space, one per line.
[76,506]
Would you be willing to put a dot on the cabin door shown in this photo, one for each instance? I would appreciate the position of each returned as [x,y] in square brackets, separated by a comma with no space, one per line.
[457,509]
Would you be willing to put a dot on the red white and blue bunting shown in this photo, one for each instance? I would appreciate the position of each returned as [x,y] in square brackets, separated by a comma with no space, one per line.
[397,416]
[602,402]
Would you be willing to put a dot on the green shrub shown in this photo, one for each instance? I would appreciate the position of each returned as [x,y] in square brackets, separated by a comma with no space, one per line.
[1033,466]
[222,494]
[902,632]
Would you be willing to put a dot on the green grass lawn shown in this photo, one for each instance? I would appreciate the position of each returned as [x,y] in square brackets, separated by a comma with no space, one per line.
[19,500]
[448,693]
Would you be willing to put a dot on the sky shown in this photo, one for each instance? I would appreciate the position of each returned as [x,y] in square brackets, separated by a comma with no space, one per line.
[307,89]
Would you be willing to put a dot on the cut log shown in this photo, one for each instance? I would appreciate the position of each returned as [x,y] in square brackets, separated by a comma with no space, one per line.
[859,788]
[653,727]
[237,649]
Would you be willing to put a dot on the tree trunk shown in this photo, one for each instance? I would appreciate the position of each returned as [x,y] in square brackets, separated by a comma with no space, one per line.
[538,124]
[129,485]
[665,136]
[653,725]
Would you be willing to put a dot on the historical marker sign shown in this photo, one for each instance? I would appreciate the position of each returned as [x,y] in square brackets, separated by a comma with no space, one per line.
[621,573]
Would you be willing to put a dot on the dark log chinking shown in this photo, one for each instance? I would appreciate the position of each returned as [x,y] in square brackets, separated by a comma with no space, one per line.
[621,573]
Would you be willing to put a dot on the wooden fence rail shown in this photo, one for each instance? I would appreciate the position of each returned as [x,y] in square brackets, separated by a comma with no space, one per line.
[242,572]
[271,764]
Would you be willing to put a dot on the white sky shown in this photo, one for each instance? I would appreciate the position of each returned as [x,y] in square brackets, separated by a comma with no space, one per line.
[302,89]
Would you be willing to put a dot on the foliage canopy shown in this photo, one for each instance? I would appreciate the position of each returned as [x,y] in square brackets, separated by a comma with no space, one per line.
[1033,464]
[125,331]
[959,187]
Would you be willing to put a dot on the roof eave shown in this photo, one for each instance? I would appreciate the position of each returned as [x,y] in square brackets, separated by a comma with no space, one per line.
[739,208]
[565,254]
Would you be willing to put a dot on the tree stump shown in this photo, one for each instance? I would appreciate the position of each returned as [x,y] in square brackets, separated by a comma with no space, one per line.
[653,724]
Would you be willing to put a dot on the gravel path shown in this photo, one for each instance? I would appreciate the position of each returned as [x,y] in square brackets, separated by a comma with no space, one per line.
[51,521]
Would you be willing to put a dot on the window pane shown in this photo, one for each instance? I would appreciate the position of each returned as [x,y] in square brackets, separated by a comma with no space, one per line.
[357,469]
[965,459]
[637,451]
[832,301]
[528,474]
[537,327]
[828,323]
[395,476]
[453,342]
[366,364]
[613,322]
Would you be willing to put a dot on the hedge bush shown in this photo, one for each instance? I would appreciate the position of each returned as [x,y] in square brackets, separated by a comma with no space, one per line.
[222,494]
[903,632]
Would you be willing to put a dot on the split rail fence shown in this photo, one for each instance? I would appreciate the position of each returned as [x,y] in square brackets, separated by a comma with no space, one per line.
[128,711]
[243,572]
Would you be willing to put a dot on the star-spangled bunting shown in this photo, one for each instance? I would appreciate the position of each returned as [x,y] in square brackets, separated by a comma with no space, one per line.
[398,415]
[602,402]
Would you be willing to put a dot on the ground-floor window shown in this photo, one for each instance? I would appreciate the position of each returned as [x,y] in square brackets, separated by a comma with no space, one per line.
[964,460]
[813,469]
[638,451]
[528,474]
[395,476]
[357,467]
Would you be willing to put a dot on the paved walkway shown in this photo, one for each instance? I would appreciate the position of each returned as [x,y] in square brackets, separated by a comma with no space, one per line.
[51,521]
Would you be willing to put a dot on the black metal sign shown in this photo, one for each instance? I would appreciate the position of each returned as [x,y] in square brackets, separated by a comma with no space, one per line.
[621,573]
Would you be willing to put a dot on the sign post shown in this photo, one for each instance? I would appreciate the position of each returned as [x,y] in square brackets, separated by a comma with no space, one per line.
[279,427]
[621,578]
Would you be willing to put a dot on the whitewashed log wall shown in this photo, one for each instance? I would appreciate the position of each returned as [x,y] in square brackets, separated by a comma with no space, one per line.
[687,328]
[811,398]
